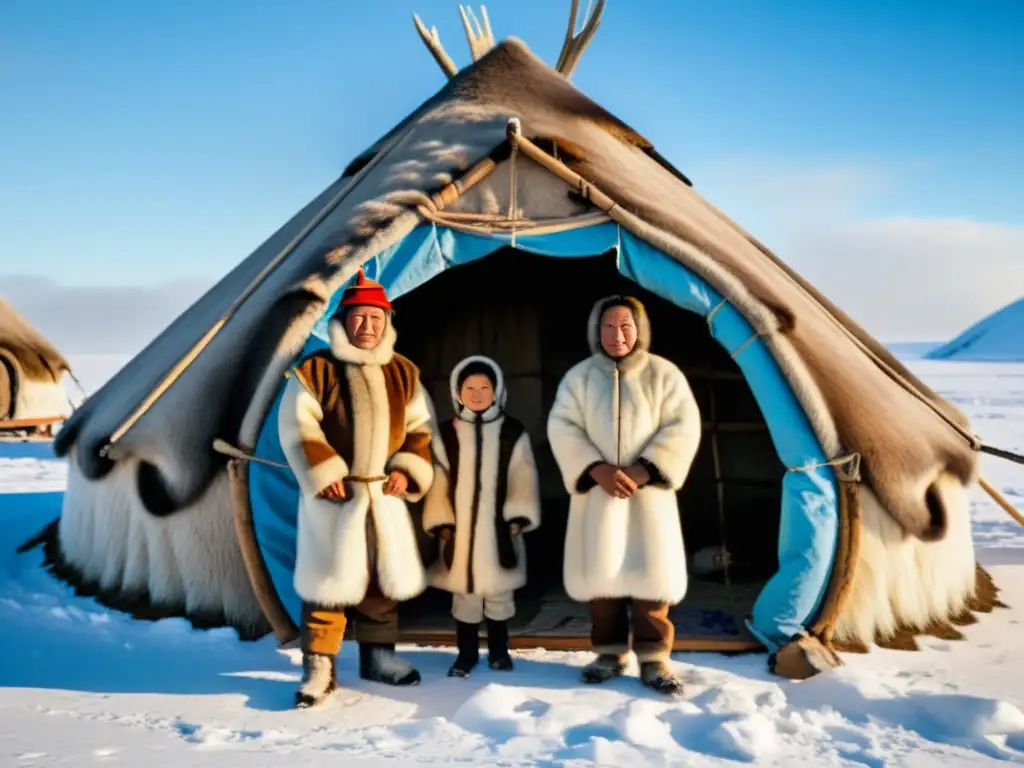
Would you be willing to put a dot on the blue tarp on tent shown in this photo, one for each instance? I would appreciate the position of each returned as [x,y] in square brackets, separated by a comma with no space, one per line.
[809,516]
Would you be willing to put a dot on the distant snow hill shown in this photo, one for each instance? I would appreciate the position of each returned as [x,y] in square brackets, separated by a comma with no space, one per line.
[997,338]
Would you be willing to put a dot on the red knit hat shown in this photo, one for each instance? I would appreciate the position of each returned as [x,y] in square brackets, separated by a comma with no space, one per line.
[365,292]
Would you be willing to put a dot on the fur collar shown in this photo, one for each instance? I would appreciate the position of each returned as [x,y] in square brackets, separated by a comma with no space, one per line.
[628,366]
[638,357]
[347,352]
[500,393]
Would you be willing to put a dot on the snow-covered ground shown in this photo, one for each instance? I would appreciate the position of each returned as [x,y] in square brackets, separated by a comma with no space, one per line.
[80,685]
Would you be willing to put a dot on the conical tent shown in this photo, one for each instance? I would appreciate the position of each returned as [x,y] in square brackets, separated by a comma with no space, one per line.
[31,373]
[494,215]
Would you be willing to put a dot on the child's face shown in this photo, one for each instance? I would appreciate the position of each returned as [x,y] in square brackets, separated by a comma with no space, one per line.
[477,393]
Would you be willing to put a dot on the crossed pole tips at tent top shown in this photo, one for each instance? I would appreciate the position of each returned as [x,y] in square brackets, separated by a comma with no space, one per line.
[481,38]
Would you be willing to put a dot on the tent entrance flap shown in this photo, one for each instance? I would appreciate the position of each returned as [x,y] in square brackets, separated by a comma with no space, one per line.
[527,308]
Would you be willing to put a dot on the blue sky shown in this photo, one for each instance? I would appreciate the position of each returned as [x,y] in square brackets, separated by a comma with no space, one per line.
[152,144]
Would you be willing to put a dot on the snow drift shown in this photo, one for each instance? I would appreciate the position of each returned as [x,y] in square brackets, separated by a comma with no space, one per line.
[997,338]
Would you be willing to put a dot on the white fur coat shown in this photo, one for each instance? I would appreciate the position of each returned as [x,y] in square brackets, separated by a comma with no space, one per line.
[333,546]
[641,409]
[522,498]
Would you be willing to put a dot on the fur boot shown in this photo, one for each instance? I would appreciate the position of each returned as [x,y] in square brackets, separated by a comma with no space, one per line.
[378,663]
[467,639]
[497,645]
[604,668]
[659,676]
[318,680]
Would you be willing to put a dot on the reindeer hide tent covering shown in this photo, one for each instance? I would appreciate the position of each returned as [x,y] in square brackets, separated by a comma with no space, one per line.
[31,371]
[148,519]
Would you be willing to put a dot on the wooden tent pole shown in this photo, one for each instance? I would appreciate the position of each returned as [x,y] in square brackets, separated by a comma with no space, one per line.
[1001,500]
[719,484]
[252,558]
[566,174]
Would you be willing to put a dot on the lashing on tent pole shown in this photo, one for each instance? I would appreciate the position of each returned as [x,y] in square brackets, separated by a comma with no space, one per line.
[587,190]
[512,219]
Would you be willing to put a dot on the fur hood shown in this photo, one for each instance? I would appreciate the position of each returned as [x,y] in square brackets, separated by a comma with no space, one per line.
[500,393]
[638,355]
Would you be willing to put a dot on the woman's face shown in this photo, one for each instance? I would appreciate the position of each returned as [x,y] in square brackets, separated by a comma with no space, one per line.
[618,332]
[477,393]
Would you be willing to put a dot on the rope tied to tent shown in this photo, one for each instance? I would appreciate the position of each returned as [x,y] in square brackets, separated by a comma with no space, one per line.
[711,316]
[746,344]
[513,131]
[714,311]
[81,389]
[225,448]
[1000,452]
[847,467]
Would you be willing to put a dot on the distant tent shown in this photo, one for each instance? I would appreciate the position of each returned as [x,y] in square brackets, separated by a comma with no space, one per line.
[495,214]
[32,390]
[998,337]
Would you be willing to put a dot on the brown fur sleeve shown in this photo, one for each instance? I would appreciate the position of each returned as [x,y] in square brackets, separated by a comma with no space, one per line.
[413,457]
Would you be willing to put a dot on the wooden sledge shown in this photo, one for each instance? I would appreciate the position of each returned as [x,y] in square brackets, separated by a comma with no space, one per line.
[21,430]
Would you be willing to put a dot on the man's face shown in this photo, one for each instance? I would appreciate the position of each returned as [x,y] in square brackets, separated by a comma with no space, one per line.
[365,326]
[618,331]
[477,393]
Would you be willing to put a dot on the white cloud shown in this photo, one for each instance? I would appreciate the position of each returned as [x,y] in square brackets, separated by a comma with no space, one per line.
[902,277]
[775,191]
[99,319]
[909,278]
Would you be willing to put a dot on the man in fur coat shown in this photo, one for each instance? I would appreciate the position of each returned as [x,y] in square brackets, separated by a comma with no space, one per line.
[624,430]
[354,425]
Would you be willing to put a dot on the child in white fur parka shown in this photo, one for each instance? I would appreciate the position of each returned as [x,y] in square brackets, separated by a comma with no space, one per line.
[485,495]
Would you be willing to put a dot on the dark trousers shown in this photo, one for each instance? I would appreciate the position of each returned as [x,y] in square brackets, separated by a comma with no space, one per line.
[376,622]
[612,619]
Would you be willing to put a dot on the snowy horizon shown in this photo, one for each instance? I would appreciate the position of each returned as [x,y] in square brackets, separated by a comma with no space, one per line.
[120,320]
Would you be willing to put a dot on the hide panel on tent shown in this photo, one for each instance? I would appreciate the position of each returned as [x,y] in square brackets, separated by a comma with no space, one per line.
[760,485]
